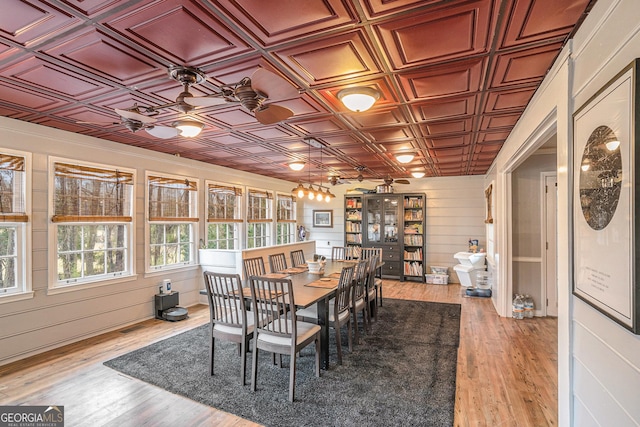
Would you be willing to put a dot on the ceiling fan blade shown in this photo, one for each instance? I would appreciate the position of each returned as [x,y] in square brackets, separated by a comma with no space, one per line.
[401,181]
[97,123]
[132,115]
[272,85]
[271,114]
[163,132]
[205,101]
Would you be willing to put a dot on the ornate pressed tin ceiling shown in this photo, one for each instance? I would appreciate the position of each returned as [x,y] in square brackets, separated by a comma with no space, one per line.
[454,75]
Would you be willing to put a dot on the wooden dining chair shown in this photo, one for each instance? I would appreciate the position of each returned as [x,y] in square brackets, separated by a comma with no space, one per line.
[339,309]
[297,258]
[277,262]
[341,253]
[279,331]
[253,267]
[359,297]
[228,315]
[367,253]
[371,290]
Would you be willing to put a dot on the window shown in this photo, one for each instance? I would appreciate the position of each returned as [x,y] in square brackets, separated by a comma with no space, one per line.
[13,225]
[224,216]
[286,219]
[259,218]
[171,225]
[92,213]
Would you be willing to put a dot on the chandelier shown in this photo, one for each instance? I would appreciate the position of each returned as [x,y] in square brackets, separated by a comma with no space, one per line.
[322,192]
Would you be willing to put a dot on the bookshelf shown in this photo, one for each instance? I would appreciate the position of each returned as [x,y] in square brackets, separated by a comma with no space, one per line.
[413,237]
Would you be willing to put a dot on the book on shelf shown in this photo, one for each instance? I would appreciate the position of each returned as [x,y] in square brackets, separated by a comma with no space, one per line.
[415,255]
[413,215]
[412,268]
[413,229]
[354,204]
[413,239]
[413,202]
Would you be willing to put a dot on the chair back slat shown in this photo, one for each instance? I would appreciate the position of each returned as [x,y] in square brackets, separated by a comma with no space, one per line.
[253,267]
[297,258]
[366,253]
[277,262]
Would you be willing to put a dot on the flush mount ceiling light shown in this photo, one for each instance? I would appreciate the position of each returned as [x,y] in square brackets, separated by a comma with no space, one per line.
[418,174]
[405,157]
[296,166]
[358,98]
[189,128]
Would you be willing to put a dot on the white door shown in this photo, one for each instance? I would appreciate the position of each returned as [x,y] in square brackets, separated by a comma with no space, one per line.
[550,248]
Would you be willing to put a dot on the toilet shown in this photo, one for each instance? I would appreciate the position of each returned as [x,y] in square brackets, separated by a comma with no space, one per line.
[470,264]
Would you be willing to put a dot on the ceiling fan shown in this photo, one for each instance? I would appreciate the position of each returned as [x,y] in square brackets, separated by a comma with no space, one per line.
[254,93]
[336,180]
[388,181]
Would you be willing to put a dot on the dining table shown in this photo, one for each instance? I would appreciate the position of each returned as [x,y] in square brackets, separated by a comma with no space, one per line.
[309,289]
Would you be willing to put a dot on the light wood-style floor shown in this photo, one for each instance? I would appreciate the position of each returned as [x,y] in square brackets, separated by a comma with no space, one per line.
[507,372]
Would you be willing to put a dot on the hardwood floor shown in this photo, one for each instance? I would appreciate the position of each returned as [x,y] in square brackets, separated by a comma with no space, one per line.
[507,371]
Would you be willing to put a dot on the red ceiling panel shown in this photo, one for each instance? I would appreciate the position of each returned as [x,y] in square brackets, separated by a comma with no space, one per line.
[27,22]
[454,76]
[148,25]
[289,20]
[450,33]
[444,81]
[537,20]
[343,57]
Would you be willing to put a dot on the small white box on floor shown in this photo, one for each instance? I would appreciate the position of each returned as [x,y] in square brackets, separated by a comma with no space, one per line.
[435,269]
[437,279]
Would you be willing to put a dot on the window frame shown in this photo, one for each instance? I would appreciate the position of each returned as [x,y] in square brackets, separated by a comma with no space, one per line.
[56,285]
[22,222]
[288,223]
[266,219]
[192,221]
[236,222]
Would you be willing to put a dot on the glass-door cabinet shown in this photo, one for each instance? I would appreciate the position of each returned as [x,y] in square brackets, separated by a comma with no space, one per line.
[383,221]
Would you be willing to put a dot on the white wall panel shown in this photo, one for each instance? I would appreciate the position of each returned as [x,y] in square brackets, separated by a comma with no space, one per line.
[46,320]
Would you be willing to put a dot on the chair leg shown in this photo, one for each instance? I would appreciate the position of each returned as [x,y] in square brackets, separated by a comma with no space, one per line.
[349,335]
[211,354]
[254,368]
[318,349]
[338,343]
[292,375]
[243,363]
[356,333]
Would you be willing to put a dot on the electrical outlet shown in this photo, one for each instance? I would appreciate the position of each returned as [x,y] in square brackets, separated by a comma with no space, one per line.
[328,243]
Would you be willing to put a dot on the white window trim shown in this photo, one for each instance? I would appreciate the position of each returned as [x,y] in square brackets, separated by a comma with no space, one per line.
[241,229]
[54,286]
[270,223]
[275,217]
[26,231]
[151,271]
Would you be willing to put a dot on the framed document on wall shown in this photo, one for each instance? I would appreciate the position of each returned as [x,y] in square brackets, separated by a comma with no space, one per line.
[604,197]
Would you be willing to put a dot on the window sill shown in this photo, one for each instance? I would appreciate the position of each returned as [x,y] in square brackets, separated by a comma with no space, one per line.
[6,298]
[168,270]
[61,289]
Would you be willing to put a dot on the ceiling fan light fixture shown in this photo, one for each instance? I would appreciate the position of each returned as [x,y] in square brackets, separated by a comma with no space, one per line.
[296,166]
[358,99]
[405,157]
[189,128]
[418,174]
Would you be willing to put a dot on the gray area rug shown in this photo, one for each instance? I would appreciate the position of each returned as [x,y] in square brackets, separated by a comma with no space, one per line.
[401,374]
